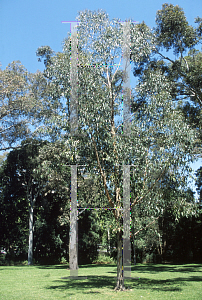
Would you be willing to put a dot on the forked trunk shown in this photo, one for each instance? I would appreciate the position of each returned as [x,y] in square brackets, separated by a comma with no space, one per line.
[120,277]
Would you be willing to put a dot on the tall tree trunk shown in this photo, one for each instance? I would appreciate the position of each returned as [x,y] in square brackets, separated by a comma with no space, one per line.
[120,278]
[31,232]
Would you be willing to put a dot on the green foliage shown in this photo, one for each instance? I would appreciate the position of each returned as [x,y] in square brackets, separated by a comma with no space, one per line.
[20,103]
[46,52]
[13,211]
[103,259]
[173,30]
[88,237]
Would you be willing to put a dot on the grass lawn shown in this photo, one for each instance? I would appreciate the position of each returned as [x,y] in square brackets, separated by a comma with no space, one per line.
[149,281]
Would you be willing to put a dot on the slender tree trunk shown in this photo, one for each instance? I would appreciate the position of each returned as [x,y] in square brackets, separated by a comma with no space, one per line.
[31,201]
[120,278]
[31,232]
[134,256]
[160,249]
[108,235]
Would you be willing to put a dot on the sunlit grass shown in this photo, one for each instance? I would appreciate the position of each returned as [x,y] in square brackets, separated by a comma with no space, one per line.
[147,282]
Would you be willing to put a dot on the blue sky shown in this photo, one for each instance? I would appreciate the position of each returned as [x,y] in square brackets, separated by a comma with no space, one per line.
[26,25]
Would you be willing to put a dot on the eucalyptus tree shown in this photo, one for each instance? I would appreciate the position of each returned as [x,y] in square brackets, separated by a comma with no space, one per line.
[32,200]
[157,140]
[172,207]
[22,184]
[15,103]
[21,93]
[181,64]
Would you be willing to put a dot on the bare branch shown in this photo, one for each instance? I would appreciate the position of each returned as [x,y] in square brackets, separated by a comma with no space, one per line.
[116,69]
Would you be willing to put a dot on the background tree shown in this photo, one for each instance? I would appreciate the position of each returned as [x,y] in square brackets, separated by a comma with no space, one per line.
[25,190]
[19,169]
[17,103]
[24,104]
[13,214]
[182,64]
[54,214]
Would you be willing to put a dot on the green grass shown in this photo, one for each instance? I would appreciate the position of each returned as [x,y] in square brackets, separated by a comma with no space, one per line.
[149,282]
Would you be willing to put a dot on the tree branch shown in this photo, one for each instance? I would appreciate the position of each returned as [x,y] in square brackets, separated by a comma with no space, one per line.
[103,176]
[140,199]
[146,226]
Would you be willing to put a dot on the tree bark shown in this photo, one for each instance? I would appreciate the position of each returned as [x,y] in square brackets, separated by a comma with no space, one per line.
[73,244]
[108,236]
[134,256]
[31,232]
[120,278]
[31,201]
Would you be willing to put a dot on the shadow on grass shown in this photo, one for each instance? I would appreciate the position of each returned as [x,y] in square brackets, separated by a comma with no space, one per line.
[66,266]
[54,267]
[100,282]
[91,282]
[165,284]
[155,268]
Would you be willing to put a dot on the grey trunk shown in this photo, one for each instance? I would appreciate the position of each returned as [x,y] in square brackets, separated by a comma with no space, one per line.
[31,233]
[134,257]
[73,244]
[120,278]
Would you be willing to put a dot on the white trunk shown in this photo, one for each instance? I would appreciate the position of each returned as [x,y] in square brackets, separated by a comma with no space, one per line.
[31,233]
[73,243]
[109,248]
[73,251]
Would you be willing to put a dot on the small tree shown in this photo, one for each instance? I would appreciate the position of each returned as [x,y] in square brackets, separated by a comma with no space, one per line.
[20,164]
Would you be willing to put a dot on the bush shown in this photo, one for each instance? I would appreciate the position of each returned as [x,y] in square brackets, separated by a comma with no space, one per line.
[63,260]
[103,259]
